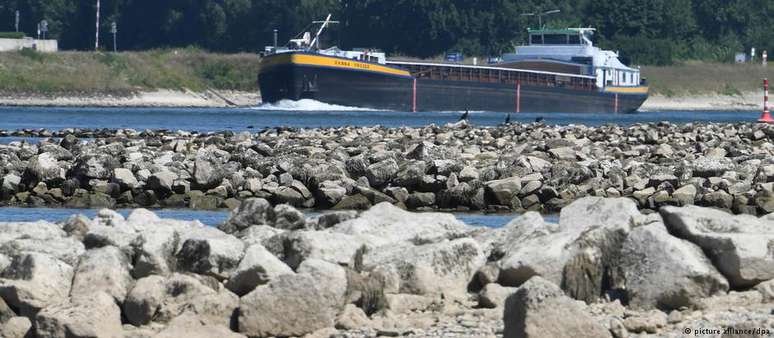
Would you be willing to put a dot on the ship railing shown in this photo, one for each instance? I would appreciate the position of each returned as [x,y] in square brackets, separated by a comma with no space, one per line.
[497,75]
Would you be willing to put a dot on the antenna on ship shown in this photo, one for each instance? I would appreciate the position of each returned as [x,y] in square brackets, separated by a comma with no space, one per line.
[540,16]
[316,42]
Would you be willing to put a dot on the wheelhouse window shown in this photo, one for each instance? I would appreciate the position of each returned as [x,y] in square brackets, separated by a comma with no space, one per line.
[575,40]
[555,39]
[536,39]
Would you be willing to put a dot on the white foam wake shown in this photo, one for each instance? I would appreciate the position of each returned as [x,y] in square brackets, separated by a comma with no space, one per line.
[306,105]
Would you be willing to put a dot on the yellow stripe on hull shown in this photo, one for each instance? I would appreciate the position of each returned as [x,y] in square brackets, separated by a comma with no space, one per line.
[627,90]
[327,61]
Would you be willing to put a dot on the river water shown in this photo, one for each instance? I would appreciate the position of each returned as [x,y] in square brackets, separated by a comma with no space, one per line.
[305,114]
[213,218]
[312,114]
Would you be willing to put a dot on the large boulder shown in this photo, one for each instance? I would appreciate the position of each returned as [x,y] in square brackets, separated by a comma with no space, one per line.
[34,230]
[590,211]
[16,327]
[503,191]
[385,223]
[95,166]
[381,173]
[252,211]
[258,267]
[288,218]
[665,272]
[257,234]
[66,249]
[160,299]
[290,305]
[209,251]
[125,178]
[576,253]
[34,281]
[540,309]
[190,326]
[208,171]
[95,315]
[297,246]
[331,277]
[102,270]
[739,246]
[438,268]
[44,168]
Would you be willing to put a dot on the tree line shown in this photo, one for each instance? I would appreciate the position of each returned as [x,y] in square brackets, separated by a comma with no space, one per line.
[645,31]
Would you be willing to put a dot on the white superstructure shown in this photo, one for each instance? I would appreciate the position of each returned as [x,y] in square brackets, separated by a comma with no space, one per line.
[574,46]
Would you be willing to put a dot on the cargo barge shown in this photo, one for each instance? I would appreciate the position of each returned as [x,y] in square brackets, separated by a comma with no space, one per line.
[559,71]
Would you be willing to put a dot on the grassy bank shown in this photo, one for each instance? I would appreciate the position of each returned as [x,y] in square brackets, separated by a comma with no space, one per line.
[698,78]
[126,72]
[193,69]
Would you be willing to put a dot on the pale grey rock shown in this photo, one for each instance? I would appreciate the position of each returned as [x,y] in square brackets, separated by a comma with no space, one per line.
[257,267]
[190,326]
[739,246]
[16,327]
[102,270]
[333,247]
[44,168]
[66,249]
[685,195]
[94,316]
[162,181]
[380,173]
[77,226]
[34,281]
[253,211]
[504,190]
[493,295]
[665,272]
[125,178]
[438,268]
[767,290]
[209,251]
[385,223]
[331,278]
[649,322]
[161,299]
[290,305]
[588,235]
[33,230]
[257,234]
[540,309]
[288,218]
[352,318]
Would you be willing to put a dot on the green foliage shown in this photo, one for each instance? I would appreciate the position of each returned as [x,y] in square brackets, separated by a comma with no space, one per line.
[127,72]
[711,30]
[11,35]
[32,54]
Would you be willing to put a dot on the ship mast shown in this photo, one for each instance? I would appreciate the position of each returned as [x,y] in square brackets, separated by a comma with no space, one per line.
[316,42]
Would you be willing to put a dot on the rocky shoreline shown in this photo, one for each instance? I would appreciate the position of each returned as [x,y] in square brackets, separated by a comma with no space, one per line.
[604,270]
[519,167]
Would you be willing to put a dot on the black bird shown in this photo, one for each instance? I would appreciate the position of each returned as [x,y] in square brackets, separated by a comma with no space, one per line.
[539,119]
[508,119]
[464,116]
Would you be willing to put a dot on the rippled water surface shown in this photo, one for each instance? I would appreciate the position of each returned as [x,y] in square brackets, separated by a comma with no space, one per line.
[309,115]
[212,218]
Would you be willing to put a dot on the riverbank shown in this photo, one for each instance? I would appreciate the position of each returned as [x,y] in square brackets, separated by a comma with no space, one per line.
[165,98]
[195,78]
[513,168]
[749,101]
[604,270]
